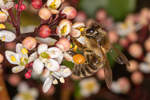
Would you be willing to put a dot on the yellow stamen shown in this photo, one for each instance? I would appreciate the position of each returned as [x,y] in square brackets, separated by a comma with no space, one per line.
[81,29]
[53,5]
[89,86]
[13,59]
[64,30]
[24,51]
[3,38]
[75,48]
[2,26]
[71,46]
[2,12]
[22,59]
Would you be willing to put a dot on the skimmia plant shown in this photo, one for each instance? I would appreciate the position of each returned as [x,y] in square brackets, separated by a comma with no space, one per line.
[45,49]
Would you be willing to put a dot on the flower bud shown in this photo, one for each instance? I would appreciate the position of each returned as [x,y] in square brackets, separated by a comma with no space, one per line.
[37,4]
[70,12]
[3,15]
[44,31]
[29,43]
[63,44]
[45,13]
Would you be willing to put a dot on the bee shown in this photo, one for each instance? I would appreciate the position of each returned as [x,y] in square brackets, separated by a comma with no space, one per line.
[95,48]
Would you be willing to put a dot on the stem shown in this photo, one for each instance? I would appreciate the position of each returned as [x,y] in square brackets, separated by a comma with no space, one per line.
[3,91]
[12,17]
[18,17]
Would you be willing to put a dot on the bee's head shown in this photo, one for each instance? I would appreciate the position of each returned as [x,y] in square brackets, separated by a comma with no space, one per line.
[95,31]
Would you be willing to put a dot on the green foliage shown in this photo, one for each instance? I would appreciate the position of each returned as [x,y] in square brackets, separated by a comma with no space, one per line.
[77,93]
[116,8]
[68,64]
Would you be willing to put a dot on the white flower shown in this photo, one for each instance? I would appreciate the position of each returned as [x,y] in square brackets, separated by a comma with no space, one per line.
[48,57]
[122,85]
[49,41]
[77,28]
[6,4]
[7,36]
[20,58]
[64,27]
[144,67]
[89,86]
[53,5]
[124,28]
[53,77]
[3,15]
[115,87]
[26,93]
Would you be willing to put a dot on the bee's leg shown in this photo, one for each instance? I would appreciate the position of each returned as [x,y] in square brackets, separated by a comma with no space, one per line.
[108,74]
[119,57]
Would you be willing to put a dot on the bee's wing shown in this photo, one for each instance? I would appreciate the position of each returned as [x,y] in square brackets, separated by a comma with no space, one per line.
[119,57]
[108,74]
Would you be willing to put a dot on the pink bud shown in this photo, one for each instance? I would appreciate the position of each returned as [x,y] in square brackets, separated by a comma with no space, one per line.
[37,4]
[28,75]
[70,12]
[63,44]
[22,7]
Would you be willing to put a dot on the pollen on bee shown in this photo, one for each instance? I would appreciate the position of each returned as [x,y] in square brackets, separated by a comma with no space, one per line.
[79,59]
[24,51]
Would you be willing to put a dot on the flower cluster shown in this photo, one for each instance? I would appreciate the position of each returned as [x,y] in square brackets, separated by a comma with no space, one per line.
[46,47]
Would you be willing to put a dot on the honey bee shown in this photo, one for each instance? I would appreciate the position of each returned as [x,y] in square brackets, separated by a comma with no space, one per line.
[96,46]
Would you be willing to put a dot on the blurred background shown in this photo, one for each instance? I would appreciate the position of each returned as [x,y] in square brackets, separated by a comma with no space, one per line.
[128,25]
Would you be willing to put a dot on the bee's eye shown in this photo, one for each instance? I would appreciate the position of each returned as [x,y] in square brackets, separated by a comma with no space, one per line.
[91,30]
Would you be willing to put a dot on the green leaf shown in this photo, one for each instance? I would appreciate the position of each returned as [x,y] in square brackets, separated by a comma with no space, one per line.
[68,64]
[120,8]
[91,6]
[115,8]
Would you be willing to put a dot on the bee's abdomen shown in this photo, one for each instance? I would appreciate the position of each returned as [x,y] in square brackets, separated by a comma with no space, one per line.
[84,70]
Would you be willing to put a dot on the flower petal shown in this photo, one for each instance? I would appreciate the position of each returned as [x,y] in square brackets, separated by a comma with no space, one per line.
[12,57]
[38,66]
[59,59]
[18,69]
[49,41]
[32,57]
[64,28]
[53,4]
[19,46]
[68,57]
[7,36]
[65,72]
[52,65]
[42,48]
[54,52]
[47,84]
